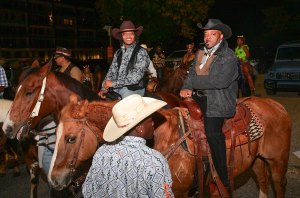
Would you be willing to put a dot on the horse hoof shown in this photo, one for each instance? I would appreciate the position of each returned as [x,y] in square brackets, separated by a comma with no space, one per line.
[17,174]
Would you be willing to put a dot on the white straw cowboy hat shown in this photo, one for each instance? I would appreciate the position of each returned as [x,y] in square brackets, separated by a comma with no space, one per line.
[126,26]
[129,112]
[216,24]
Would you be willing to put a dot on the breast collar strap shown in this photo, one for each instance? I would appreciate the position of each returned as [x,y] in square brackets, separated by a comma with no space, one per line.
[36,109]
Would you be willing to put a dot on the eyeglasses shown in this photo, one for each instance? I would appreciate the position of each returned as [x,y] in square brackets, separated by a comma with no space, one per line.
[240,36]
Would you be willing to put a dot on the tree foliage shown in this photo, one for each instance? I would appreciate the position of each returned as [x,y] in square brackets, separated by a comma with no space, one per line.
[161,19]
[283,21]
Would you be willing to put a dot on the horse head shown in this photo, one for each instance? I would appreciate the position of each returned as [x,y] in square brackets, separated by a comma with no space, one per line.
[27,96]
[79,134]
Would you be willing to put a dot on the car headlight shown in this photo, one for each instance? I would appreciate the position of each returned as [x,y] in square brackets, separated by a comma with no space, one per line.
[271,74]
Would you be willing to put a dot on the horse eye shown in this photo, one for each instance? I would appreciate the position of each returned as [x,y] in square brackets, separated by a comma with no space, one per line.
[28,93]
[70,139]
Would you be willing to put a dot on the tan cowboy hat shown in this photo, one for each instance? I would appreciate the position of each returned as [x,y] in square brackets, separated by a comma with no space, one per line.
[129,112]
[146,48]
[126,26]
[216,24]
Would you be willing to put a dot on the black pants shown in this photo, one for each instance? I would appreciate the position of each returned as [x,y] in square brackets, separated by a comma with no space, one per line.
[216,139]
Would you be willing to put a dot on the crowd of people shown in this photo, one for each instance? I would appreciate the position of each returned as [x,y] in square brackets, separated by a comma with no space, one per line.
[212,81]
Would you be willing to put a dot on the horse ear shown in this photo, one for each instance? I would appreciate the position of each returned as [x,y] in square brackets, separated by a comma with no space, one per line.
[47,67]
[83,108]
[73,98]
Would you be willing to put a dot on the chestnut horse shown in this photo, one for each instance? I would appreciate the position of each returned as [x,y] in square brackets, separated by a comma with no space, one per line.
[82,123]
[50,91]
[80,134]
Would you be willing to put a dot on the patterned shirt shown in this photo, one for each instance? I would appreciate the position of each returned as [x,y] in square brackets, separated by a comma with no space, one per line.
[128,169]
[119,77]
[3,79]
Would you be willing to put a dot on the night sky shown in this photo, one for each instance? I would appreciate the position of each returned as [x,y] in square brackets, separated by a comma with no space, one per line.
[245,17]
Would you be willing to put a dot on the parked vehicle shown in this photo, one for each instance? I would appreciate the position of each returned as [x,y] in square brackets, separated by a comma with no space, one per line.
[284,75]
[175,58]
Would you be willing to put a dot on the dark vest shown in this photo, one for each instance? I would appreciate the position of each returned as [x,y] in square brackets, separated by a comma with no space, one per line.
[132,61]
[68,70]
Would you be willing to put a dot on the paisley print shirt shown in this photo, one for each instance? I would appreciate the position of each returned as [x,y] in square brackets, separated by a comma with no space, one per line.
[119,77]
[128,169]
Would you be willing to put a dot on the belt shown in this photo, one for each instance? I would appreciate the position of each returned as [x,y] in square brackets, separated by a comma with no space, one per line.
[199,93]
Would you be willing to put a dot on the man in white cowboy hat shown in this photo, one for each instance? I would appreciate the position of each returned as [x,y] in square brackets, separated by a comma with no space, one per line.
[125,166]
[126,73]
[212,83]
[62,58]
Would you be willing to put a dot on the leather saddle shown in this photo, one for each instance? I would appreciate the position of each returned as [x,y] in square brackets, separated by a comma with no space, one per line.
[233,127]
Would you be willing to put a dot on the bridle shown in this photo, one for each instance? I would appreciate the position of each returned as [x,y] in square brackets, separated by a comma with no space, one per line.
[72,165]
[84,121]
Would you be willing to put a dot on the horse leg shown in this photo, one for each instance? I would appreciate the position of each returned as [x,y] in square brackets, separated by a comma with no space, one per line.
[34,179]
[278,172]
[261,171]
[2,166]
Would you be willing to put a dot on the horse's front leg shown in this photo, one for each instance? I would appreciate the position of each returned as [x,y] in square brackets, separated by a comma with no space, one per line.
[34,179]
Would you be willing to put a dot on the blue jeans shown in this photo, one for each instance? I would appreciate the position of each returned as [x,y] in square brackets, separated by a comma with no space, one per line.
[47,157]
[124,92]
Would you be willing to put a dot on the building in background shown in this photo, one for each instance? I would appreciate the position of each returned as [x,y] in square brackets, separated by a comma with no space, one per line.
[31,28]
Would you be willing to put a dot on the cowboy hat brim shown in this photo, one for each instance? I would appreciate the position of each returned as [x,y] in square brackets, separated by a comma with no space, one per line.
[112,131]
[116,32]
[215,24]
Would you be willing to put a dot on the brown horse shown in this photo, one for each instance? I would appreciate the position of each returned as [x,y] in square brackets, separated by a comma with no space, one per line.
[57,89]
[82,123]
[80,134]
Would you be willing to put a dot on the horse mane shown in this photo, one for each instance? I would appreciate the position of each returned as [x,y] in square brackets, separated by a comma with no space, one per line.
[77,87]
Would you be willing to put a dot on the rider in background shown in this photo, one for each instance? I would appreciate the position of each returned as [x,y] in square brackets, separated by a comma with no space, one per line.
[189,57]
[62,58]
[159,62]
[242,52]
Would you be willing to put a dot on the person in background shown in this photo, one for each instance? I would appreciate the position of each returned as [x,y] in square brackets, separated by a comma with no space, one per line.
[212,83]
[3,79]
[242,52]
[125,166]
[189,57]
[87,78]
[159,62]
[151,74]
[62,58]
[126,73]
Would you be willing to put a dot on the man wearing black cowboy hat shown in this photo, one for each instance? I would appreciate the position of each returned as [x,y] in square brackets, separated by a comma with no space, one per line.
[129,64]
[62,58]
[212,83]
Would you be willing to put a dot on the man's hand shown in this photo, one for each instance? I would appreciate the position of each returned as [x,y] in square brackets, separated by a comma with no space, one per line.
[102,93]
[107,84]
[185,93]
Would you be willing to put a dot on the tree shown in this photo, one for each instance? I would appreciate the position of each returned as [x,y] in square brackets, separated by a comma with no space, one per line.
[283,21]
[162,20]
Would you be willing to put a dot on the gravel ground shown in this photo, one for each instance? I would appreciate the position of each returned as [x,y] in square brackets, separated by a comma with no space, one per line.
[245,185]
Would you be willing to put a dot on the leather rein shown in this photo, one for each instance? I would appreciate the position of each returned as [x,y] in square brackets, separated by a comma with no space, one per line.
[72,165]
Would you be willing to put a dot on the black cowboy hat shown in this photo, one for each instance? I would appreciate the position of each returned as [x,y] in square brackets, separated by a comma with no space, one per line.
[126,26]
[216,24]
